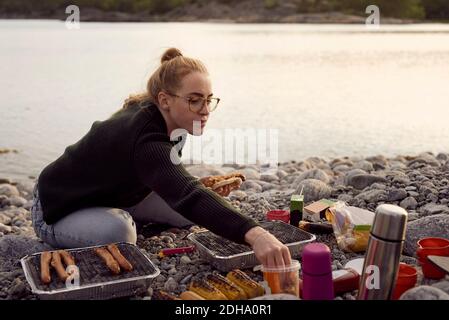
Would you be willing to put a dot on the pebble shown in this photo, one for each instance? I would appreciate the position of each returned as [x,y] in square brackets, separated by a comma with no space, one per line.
[5,229]
[361,181]
[409,203]
[314,190]
[9,190]
[424,293]
[185,260]
[170,285]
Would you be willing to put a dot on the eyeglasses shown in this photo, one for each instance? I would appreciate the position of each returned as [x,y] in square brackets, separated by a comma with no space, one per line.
[196,104]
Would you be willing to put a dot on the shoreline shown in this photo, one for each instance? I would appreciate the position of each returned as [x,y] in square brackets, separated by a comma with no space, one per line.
[419,184]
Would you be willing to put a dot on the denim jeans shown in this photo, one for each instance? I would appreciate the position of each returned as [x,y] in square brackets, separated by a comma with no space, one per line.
[102,225]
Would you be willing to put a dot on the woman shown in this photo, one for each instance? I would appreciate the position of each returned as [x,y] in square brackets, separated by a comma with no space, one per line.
[122,170]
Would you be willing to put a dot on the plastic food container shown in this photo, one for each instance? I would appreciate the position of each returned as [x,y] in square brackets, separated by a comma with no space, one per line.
[282,215]
[433,247]
[407,277]
[283,280]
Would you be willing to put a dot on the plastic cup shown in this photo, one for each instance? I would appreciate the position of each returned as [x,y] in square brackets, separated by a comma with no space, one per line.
[407,277]
[282,215]
[283,280]
[432,247]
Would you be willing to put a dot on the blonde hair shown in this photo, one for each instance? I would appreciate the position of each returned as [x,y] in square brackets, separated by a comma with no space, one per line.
[168,76]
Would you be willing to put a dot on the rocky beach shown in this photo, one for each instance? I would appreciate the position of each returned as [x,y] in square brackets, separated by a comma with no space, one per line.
[419,184]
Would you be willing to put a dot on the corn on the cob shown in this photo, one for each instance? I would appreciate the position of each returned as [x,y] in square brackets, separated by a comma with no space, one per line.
[248,285]
[206,290]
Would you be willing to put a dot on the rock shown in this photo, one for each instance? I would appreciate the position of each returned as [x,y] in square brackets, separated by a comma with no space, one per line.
[424,293]
[442,285]
[431,209]
[361,181]
[250,174]
[411,188]
[5,181]
[17,201]
[18,289]
[413,194]
[238,195]
[281,174]
[409,203]
[314,190]
[378,186]
[426,159]
[381,160]
[269,177]
[9,190]
[185,260]
[172,271]
[248,184]
[364,165]
[170,285]
[342,168]
[186,279]
[397,194]
[443,157]
[277,296]
[431,226]
[5,229]
[345,198]
[316,174]
[5,219]
[372,196]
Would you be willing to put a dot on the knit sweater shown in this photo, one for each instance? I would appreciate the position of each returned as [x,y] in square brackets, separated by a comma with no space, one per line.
[120,161]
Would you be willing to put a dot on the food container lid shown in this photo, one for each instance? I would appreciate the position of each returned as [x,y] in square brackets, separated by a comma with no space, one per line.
[389,222]
[294,266]
[316,259]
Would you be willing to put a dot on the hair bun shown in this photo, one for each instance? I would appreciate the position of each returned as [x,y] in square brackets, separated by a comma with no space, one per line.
[170,54]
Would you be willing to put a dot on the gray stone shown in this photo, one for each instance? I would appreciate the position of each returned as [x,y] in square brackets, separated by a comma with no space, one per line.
[5,229]
[248,184]
[361,181]
[413,194]
[281,174]
[424,293]
[316,174]
[345,198]
[277,296]
[411,188]
[397,194]
[442,285]
[18,289]
[426,159]
[185,260]
[5,219]
[372,196]
[17,201]
[172,271]
[170,285]
[364,165]
[314,190]
[431,226]
[342,168]
[432,209]
[378,186]
[186,279]
[269,177]
[238,195]
[250,174]
[9,190]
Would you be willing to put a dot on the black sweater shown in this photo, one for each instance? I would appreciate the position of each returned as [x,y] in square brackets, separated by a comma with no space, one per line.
[119,162]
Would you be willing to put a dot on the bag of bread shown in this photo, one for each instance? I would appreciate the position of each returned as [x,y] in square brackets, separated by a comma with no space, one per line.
[351,226]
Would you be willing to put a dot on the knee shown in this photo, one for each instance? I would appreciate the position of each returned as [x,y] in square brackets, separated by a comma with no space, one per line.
[123,228]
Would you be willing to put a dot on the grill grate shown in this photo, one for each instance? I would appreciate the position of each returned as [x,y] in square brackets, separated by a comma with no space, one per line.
[93,270]
[226,255]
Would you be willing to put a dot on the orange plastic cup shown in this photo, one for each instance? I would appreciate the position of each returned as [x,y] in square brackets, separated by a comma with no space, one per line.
[283,280]
[407,277]
[432,247]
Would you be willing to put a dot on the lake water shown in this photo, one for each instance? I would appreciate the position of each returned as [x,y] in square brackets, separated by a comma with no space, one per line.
[330,90]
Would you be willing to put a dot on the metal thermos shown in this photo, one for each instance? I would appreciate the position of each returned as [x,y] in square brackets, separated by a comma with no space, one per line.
[382,257]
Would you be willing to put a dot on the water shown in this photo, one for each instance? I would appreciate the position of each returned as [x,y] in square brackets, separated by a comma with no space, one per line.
[331,90]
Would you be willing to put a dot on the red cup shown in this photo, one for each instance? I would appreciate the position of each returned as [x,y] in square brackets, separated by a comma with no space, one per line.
[407,277]
[432,247]
[282,215]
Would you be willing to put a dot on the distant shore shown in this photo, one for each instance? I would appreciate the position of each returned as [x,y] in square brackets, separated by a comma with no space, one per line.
[208,14]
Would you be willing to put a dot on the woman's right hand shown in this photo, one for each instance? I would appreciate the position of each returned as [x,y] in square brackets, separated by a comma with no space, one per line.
[268,250]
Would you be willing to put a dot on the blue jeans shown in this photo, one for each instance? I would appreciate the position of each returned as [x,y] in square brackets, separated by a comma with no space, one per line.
[102,225]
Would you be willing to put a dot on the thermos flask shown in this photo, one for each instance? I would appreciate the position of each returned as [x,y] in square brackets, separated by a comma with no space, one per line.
[382,256]
[317,283]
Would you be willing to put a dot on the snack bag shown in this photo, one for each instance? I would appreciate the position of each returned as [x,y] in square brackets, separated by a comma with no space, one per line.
[351,226]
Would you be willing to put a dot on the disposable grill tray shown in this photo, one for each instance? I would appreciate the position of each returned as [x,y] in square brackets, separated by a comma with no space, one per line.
[96,280]
[226,255]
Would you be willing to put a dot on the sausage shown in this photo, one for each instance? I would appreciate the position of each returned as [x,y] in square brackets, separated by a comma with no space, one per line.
[45,267]
[56,263]
[67,257]
[108,259]
[123,263]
